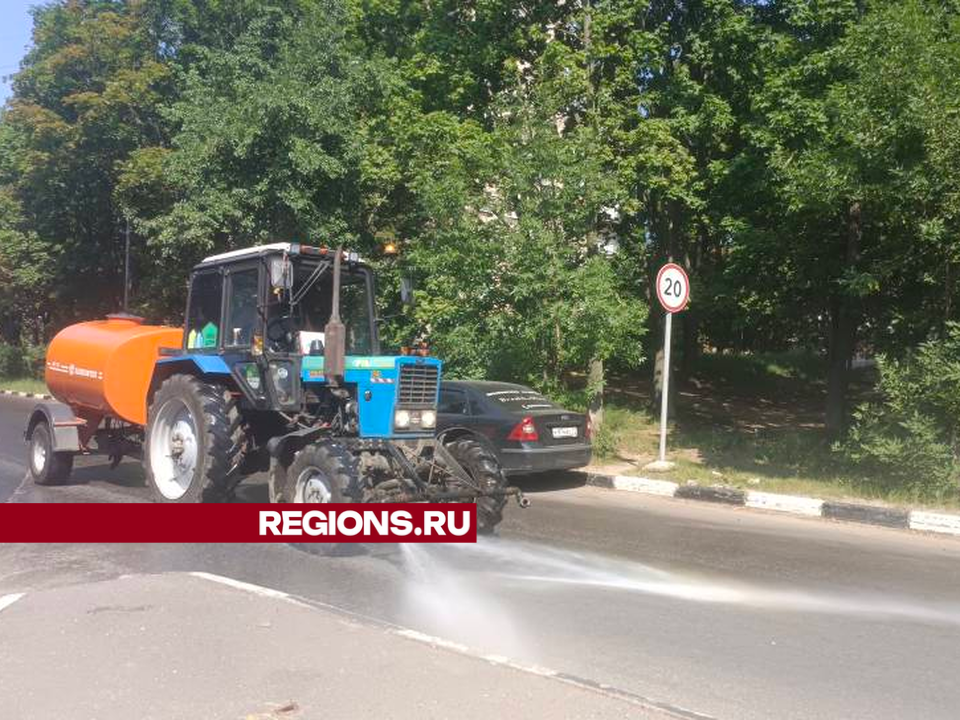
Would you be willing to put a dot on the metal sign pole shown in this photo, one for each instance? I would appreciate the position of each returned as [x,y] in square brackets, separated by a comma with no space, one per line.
[673,292]
[665,391]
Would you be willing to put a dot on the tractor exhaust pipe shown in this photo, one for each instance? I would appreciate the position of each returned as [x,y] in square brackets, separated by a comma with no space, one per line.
[334,334]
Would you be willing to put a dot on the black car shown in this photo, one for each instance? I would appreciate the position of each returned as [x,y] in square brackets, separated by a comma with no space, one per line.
[528,433]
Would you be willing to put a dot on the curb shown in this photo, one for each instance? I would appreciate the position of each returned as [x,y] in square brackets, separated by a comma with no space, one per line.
[919,520]
[17,393]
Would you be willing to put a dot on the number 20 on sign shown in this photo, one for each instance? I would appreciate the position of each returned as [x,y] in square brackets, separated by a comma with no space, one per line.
[673,292]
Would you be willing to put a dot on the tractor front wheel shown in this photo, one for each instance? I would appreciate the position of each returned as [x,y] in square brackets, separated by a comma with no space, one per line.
[193,442]
[317,474]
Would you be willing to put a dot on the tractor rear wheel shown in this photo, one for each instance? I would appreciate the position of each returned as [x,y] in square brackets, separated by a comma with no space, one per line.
[319,473]
[46,466]
[193,442]
[484,468]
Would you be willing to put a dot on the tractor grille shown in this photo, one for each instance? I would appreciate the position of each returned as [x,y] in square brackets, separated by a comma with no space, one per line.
[418,385]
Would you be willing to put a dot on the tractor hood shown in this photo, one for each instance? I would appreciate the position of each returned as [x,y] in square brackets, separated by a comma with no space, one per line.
[385,384]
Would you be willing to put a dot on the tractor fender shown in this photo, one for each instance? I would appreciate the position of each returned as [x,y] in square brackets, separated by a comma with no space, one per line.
[458,431]
[198,365]
[62,423]
[281,445]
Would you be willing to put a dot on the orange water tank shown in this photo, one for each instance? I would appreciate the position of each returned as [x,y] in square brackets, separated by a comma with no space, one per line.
[105,366]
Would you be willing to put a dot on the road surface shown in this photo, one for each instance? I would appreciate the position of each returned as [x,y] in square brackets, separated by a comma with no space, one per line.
[676,608]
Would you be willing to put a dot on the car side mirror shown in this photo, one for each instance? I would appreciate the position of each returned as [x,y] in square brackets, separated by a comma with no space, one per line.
[406,290]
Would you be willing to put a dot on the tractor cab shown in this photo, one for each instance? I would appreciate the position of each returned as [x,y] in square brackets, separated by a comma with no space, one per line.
[279,298]
[295,327]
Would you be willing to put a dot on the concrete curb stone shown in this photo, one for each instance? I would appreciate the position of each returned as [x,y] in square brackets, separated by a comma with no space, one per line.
[863,513]
[867,514]
[18,393]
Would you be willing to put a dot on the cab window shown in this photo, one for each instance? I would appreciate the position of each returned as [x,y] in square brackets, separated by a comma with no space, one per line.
[313,310]
[203,315]
[242,313]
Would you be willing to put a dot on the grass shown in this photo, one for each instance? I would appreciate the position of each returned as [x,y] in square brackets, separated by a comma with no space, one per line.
[752,422]
[29,385]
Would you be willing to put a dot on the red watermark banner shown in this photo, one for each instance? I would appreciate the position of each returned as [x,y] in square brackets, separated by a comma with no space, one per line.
[236,523]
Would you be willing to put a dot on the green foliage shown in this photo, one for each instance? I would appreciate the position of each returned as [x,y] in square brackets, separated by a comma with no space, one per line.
[19,361]
[11,361]
[606,441]
[911,433]
[34,361]
[534,163]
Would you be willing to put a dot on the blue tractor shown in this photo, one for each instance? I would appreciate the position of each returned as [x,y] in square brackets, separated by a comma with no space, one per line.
[280,370]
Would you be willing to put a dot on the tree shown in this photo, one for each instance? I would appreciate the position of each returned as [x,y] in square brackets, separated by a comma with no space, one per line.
[87,95]
[849,160]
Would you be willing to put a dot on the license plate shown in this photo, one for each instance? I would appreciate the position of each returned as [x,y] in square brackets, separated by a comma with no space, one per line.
[564,432]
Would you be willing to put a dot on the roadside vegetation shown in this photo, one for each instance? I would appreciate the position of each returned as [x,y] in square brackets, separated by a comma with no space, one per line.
[532,165]
[754,422]
[27,385]
[21,368]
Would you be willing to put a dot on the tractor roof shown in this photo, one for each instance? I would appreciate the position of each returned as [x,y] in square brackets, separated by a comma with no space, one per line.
[270,248]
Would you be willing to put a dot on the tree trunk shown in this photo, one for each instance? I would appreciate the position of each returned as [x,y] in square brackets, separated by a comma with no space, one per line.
[690,331]
[694,261]
[843,334]
[595,383]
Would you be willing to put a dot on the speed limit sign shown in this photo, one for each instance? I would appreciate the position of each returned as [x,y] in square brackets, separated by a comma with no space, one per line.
[673,288]
[673,292]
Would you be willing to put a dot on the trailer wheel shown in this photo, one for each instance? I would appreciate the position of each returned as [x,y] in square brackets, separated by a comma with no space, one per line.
[193,442]
[317,474]
[484,468]
[46,466]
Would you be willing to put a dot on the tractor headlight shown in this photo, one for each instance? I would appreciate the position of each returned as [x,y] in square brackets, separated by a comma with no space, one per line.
[428,419]
[401,419]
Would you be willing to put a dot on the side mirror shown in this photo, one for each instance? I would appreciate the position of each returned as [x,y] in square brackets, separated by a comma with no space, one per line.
[281,272]
[406,290]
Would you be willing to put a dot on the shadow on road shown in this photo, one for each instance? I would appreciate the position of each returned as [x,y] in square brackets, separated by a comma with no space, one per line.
[549,482]
[129,478]
[126,475]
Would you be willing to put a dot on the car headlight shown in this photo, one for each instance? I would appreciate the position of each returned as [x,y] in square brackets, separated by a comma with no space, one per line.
[401,419]
[428,419]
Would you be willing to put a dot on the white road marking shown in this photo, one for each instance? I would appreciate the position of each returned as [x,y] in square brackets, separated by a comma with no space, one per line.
[785,503]
[459,648]
[431,640]
[250,588]
[241,585]
[645,485]
[8,600]
[935,522]
[20,488]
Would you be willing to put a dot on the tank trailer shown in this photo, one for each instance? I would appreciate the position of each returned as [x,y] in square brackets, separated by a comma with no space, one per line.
[276,369]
